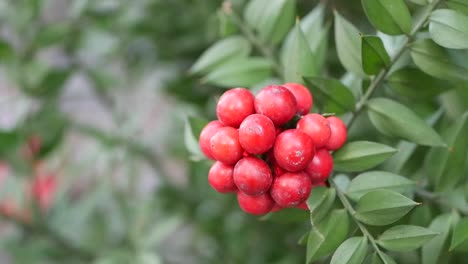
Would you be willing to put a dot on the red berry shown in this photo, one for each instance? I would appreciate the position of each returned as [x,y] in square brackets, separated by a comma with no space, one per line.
[220,178]
[234,106]
[252,176]
[277,170]
[225,146]
[276,208]
[316,126]
[256,205]
[257,134]
[320,167]
[293,150]
[338,133]
[303,97]
[43,189]
[291,189]
[303,206]
[277,103]
[205,136]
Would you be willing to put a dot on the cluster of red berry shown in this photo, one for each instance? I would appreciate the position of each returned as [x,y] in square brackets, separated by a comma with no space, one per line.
[268,148]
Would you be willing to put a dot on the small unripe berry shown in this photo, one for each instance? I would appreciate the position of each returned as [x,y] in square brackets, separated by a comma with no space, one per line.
[291,189]
[338,133]
[293,150]
[277,103]
[205,136]
[320,167]
[257,134]
[234,106]
[303,97]
[256,205]
[316,126]
[225,146]
[252,176]
[220,178]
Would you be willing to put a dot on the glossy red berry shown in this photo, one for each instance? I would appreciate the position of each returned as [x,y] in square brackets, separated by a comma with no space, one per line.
[220,178]
[234,106]
[225,146]
[338,133]
[256,205]
[277,103]
[293,150]
[320,167]
[303,97]
[257,134]
[252,176]
[205,136]
[316,126]
[276,208]
[291,189]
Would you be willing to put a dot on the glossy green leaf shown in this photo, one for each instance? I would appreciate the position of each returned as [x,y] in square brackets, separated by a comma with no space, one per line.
[225,50]
[396,120]
[458,5]
[415,84]
[348,45]
[352,251]
[382,207]
[300,60]
[436,249]
[460,236]
[320,202]
[361,155]
[449,28]
[374,55]
[193,127]
[7,53]
[392,17]
[435,61]
[332,94]
[405,237]
[240,73]
[378,180]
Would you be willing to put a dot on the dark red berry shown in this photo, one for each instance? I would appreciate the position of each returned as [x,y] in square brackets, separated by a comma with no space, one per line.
[293,150]
[338,133]
[291,189]
[220,178]
[303,97]
[252,176]
[256,205]
[277,103]
[205,136]
[234,106]
[257,134]
[303,206]
[225,146]
[316,126]
[320,167]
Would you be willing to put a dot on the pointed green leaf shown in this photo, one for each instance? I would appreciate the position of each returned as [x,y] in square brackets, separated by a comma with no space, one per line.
[374,55]
[348,45]
[458,5]
[225,50]
[392,17]
[396,120]
[436,249]
[361,155]
[332,94]
[405,237]
[319,202]
[378,180]
[193,127]
[352,251]
[7,53]
[435,61]
[460,236]
[415,84]
[449,28]
[382,207]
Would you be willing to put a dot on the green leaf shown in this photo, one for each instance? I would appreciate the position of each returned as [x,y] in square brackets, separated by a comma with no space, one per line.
[458,5]
[374,55]
[225,50]
[445,166]
[348,45]
[415,84]
[320,202]
[404,238]
[51,85]
[287,215]
[335,97]
[7,53]
[420,2]
[361,155]
[300,60]
[460,236]
[378,180]
[436,249]
[382,207]
[396,120]
[53,34]
[382,259]
[327,235]
[240,73]
[352,251]
[193,127]
[449,28]
[435,61]
[392,17]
